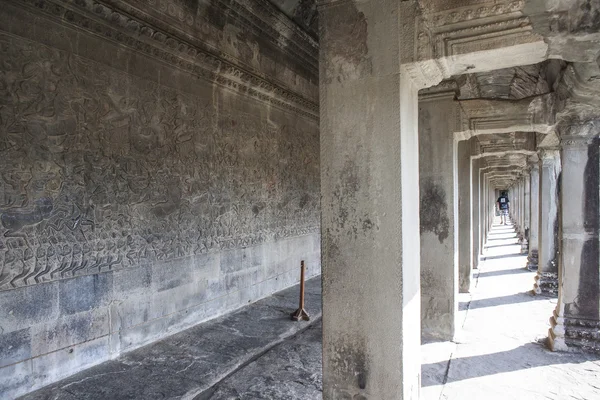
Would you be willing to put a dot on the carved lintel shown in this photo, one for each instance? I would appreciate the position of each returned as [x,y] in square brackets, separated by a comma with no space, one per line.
[424,74]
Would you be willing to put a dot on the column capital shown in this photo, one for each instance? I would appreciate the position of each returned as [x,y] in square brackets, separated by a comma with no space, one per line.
[548,155]
[533,160]
[575,131]
[574,141]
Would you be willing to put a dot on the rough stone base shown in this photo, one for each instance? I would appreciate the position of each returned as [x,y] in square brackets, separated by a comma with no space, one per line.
[567,334]
[532,260]
[546,283]
[524,246]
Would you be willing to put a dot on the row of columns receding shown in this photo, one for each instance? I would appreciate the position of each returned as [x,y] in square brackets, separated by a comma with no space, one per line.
[378,230]
[406,205]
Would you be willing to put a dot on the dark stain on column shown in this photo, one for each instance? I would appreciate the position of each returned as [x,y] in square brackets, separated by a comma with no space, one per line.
[351,362]
[587,302]
[433,210]
[345,43]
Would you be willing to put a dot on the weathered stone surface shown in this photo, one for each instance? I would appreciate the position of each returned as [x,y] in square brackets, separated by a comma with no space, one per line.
[369,202]
[292,370]
[548,240]
[160,167]
[576,319]
[15,346]
[437,215]
[192,362]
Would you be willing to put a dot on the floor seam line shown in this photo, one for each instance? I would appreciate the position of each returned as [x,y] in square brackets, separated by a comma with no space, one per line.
[207,393]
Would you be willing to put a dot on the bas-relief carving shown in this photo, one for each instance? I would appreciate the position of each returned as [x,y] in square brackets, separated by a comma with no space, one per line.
[101,170]
[152,38]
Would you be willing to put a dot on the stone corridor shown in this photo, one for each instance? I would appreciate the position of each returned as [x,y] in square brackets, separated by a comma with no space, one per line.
[166,167]
[500,351]
[256,353]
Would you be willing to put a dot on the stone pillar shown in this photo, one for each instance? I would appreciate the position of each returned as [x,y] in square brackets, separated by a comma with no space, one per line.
[514,206]
[512,201]
[521,196]
[483,211]
[369,203]
[546,281]
[576,319]
[464,216]
[526,209]
[481,207]
[475,163]
[439,264]
[534,176]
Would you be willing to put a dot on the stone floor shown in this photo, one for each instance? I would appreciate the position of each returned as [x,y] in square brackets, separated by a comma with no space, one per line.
[212,360]
[500,352]
[258,354]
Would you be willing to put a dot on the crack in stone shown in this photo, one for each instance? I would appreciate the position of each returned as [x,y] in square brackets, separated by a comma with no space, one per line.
[209,392]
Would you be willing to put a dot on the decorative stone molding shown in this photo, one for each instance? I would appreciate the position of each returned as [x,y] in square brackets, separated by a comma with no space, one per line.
[477,27]
[567,333]
[479,116]
[548,155]
[575,131]
[257,16]
[112,24]
[546,283]
[532,260]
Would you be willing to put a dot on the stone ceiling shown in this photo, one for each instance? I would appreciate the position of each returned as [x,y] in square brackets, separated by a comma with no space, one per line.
[511,83]
[303,12]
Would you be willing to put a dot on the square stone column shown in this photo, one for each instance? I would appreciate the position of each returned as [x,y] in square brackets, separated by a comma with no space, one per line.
[514,205]
[464,216]
[526,209]
[517,203]
[475,164]
[439,256]
[521,202]
[546,280]
[481,209]
[576,319]
[369,203]
[534,176]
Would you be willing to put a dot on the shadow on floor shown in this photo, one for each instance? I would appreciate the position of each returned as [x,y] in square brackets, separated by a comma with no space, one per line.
[492,239]
[510,255]
[502,231]
[506,272]
[498,301]
[530,355]
[501,245]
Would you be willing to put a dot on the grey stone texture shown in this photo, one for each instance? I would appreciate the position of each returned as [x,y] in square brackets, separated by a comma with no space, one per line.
[576,319]
[546,281]
[464,211]
[160,167]
[437,215]
[532,263]
[237,355]
[369,203]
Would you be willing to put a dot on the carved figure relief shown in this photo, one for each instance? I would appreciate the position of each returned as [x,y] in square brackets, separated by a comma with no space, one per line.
[100,170]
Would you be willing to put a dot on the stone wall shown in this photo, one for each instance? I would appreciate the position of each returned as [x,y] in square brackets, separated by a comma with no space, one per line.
[159,166]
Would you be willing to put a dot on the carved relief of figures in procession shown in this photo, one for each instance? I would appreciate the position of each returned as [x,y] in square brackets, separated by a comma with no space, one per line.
[102,170]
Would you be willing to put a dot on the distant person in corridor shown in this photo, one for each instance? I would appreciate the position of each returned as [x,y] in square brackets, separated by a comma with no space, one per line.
[502,203]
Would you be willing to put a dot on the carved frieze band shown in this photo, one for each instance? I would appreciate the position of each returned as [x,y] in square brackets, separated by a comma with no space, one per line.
[112,24]
[103,170]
